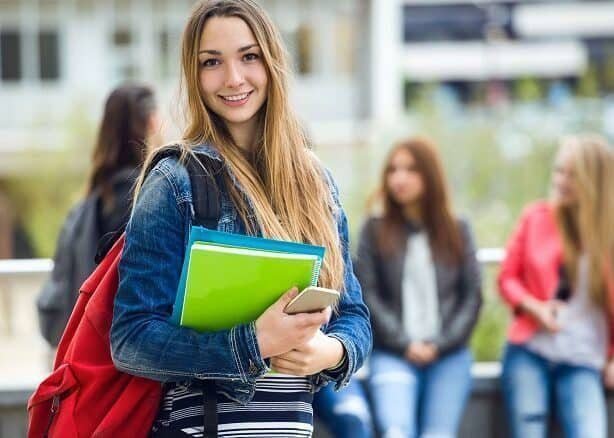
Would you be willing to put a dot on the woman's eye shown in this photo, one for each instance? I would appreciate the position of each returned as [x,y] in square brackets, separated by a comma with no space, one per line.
[210,62]
[250,57]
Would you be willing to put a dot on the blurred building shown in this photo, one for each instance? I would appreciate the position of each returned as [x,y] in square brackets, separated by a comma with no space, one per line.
[355,60]
[467,43]
[60,58]
[58,55]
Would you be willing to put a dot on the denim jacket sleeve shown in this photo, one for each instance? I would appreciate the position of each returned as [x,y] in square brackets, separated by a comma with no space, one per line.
[350,324]
[143,341]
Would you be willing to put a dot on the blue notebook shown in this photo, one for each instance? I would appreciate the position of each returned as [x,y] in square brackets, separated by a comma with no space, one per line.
[204,235]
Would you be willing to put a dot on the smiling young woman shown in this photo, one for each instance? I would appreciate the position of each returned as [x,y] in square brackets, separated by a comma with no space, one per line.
[234,78]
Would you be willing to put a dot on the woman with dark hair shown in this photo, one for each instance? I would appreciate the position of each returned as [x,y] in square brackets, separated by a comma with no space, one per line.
[421,282]
[129,124]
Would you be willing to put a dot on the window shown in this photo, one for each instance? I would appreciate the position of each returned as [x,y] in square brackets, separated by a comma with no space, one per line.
[463,22]
[10,55]
[124,66]
[300,45]
[164,46]
[48,55]
[304,44]
[168,49]
[122,37]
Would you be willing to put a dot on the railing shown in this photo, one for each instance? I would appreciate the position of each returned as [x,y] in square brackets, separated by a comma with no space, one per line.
[12,267]
[15,269]
[486,256]
[12,273]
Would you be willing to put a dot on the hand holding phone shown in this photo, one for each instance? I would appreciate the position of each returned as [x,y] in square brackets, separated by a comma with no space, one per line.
[312,299]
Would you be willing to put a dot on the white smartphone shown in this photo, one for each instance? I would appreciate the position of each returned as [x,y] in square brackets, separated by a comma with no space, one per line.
[312,299]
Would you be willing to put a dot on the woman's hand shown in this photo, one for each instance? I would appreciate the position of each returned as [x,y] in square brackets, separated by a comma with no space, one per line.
[277,332]
[544,312]
[608,374]
[421,353]
[318,353]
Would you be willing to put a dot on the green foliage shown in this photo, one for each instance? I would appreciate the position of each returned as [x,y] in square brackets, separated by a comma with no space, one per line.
[608,72]
[54,181]
[528,89]
[588,86]
[487,339]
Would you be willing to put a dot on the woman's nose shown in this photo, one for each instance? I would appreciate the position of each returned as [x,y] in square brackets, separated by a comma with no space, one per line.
[234,76]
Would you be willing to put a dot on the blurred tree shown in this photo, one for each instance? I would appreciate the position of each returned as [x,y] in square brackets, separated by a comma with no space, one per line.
[52,183]
[588,85]
[6,225]
[608,72]
[528,89]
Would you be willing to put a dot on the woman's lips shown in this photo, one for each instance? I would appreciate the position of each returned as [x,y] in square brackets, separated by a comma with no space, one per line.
[236,99]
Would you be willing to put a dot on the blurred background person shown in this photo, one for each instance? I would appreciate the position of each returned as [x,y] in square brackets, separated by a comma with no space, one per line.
[421,281]
[557,278]
[129,124]
[346,412]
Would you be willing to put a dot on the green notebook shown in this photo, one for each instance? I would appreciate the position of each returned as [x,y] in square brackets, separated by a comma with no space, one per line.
[227,285]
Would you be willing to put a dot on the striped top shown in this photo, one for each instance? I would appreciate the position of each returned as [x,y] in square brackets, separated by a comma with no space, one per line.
[281,407]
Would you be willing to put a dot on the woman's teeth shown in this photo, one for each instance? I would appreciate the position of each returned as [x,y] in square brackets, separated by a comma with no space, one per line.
[236,97]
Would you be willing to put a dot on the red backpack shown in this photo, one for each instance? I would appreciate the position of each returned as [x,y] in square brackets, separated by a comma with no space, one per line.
[85,395]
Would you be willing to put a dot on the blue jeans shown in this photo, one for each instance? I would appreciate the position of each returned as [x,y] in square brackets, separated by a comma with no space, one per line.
[413,401]
[531,384]
[345,412]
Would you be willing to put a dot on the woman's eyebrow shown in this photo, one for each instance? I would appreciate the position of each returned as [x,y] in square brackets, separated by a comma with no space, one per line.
[245,48]
[218,53]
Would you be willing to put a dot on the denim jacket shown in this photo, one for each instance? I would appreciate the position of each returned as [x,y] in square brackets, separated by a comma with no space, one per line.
[145,343]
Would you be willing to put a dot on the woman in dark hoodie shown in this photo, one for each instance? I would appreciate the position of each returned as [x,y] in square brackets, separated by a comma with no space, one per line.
[130,123]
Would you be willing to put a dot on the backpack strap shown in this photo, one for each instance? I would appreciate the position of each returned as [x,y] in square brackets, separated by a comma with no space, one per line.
[210,419]
[205,179]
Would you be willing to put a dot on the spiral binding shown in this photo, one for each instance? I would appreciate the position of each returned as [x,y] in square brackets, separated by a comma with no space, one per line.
[316,272]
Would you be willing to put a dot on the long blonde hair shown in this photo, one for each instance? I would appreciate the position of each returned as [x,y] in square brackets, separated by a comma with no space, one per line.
[285,184]
[587,227]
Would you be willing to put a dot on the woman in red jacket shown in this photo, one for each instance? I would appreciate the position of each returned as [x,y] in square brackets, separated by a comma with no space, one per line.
[558,278]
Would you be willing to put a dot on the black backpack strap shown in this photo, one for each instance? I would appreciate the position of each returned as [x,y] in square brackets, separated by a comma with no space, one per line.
[205,178]
[210,420]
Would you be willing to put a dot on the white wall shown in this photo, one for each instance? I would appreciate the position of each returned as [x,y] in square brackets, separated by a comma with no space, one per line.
[386,52]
